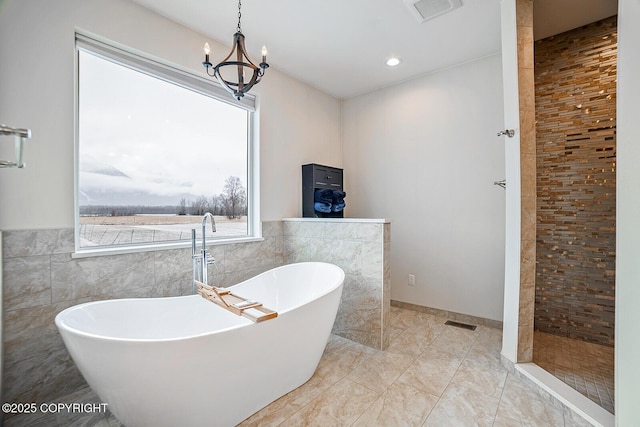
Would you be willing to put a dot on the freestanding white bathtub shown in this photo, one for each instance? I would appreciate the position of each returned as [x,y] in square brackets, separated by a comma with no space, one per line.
[186,361]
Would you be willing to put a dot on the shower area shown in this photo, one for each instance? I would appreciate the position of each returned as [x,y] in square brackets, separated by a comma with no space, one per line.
[575,112]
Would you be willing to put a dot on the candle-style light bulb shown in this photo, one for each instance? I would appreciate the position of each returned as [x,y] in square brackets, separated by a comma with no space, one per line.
[207,49]
[264,53]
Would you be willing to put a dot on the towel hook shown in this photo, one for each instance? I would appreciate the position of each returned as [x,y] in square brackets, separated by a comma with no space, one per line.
[502,183]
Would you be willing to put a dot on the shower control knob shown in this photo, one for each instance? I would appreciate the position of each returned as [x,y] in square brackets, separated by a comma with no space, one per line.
[508,132]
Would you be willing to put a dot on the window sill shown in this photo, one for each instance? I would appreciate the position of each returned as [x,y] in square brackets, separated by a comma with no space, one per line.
[121,250]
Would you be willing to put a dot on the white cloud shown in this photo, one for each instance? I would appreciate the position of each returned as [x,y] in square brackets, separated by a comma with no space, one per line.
[166,139]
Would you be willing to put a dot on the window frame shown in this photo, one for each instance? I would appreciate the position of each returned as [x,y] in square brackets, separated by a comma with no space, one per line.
[187,79]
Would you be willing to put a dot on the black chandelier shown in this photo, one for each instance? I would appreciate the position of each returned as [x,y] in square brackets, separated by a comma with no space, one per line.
[242,62]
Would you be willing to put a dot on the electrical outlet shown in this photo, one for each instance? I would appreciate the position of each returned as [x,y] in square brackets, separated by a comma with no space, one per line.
[412,280]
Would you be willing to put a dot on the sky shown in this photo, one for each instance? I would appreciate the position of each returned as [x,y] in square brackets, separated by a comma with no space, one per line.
[141,135]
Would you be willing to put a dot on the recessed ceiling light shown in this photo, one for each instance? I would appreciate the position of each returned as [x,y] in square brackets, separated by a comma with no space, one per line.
[393,61]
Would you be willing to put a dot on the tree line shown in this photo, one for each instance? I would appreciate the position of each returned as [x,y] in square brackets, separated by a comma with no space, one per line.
[232,203]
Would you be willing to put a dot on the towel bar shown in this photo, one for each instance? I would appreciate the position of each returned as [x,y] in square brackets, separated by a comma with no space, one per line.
[20,136]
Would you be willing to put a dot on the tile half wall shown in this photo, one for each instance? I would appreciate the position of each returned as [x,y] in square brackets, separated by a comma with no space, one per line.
[41,278]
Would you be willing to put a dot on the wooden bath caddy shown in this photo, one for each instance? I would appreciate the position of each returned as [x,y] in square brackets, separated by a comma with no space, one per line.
[235,304]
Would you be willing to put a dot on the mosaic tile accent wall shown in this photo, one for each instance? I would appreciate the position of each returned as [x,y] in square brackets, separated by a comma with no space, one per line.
[576,182]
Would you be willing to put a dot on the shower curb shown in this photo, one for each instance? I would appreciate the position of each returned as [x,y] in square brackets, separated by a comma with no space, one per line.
[559,394]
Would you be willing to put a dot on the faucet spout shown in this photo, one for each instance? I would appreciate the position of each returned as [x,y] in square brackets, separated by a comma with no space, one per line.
[201,261]
[204,226]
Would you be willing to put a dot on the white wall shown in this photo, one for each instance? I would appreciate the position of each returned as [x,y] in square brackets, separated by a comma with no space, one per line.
[425,154]
[512,166]
[628,217]
[299,124]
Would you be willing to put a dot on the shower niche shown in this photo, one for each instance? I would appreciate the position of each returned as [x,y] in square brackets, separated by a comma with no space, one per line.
[322,191]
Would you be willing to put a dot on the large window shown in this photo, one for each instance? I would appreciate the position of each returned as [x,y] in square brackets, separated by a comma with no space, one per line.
[156,149]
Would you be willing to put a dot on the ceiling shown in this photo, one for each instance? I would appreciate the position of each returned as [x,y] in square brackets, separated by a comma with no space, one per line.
[553,17]
[341,46]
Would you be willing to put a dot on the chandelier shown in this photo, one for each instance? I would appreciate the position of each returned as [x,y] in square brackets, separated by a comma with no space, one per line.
[241,63]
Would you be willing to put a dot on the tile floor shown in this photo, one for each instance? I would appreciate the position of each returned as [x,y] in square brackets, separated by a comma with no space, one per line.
[586,367]
[431,375]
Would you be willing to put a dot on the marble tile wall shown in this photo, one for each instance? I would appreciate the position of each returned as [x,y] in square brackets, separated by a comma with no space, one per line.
[41,278]
[362,250]
[526,94]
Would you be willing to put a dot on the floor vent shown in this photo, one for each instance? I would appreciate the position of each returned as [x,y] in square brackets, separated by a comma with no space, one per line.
[460,325]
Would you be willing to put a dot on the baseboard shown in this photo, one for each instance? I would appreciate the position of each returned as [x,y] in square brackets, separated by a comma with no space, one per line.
[452,315]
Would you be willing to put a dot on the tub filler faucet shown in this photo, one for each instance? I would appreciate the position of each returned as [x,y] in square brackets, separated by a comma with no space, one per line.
[203,259]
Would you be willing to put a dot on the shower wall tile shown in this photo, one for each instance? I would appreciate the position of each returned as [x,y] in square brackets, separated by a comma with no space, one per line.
[527,302]
[528,258]
[528,131]
[526,90]
[576,181]
[528,171]
[524,17]
[525,342]
[526,95]
[525,46]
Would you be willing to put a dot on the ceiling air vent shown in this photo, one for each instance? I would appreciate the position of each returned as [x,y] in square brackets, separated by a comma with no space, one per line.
[424,10]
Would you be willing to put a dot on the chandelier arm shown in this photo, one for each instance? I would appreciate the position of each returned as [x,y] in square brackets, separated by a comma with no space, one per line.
[235,63]
[239,59]
[233,49]
[234,89]
[255,78]
[243,49]
[207,70]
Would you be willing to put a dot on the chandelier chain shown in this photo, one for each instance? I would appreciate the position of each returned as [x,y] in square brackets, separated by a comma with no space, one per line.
[239,15]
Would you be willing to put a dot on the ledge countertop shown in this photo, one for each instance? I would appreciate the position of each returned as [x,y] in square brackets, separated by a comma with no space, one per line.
[350,220]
